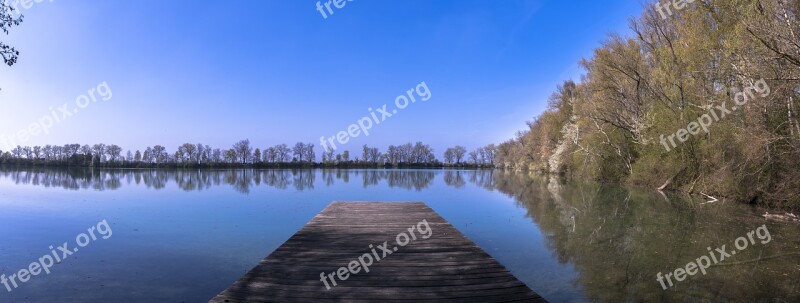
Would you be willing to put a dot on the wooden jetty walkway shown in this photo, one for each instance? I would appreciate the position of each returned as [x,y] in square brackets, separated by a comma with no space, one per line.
[445,267]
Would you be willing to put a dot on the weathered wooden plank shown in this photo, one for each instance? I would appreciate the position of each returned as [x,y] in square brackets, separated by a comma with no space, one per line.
[445,267]
[396,282]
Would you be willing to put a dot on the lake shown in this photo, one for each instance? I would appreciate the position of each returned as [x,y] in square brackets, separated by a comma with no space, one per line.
[186,235]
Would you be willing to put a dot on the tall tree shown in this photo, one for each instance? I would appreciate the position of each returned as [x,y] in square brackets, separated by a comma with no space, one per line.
[243,150]
[299,151]
[160,154]
[459,152]
[449,156]
[113,152]
[257,155]
[283,153]
[99,150]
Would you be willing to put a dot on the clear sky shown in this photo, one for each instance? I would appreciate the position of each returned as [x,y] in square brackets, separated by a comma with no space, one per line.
[278,72]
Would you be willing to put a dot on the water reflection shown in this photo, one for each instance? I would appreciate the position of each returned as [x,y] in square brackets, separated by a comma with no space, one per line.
[614,239]
[618,239]
[242,180]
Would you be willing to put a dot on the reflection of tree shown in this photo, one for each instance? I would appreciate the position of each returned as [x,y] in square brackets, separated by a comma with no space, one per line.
[303,178]
[371,177]
[276,178]
[401,178]
[619,239]
[60,178]
[155,179]
[328,176]
[112,181]
[409,179]
[242,180]
[343,175]
[481,177]
[188,181]
[453,178]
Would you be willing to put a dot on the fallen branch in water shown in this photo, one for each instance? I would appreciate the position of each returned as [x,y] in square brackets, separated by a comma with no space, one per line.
[756,260]
[669,181]
[713,199]
[788,217]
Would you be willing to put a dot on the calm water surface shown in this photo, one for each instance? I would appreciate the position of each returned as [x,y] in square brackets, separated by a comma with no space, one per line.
[184,236]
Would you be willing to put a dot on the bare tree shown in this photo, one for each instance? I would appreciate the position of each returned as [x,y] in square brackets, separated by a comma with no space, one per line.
[271,155]
[449,156]
[473,155]
[257,155]
[459,152]
[113,152]
[299,151]
[393,154]
[309,153]
[188,152]
[160,154]
[489,152]
[99,150]
[243,150]
[283,153]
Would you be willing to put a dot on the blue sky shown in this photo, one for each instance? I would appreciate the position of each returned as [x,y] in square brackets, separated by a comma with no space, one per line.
[278,72]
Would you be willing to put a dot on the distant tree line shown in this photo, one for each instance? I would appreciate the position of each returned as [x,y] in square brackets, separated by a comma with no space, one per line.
[243,154]
[482,156]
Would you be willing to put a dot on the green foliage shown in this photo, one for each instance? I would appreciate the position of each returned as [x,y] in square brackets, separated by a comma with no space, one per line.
[667,75]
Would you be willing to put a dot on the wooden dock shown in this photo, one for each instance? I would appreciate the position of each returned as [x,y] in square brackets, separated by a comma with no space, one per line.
[445,267]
